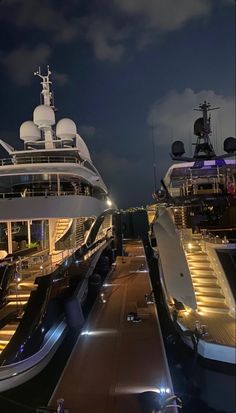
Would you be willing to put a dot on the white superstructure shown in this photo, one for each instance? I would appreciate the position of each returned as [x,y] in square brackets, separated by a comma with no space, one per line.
[51,183]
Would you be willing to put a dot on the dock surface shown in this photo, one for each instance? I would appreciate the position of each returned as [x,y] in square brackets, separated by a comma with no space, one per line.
[115,360]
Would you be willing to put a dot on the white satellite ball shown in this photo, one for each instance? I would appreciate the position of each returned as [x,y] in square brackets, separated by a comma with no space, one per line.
[44,116]
[66,129]
[29,131]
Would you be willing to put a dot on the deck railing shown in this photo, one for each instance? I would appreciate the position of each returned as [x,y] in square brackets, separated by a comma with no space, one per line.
[44,193]
[44,262]
[39,159]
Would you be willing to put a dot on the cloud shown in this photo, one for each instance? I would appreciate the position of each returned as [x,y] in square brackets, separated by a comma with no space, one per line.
[164,15]
[125,178]
[110,27]
[105,39]
[140,21]
[22,62]
[87,130]
[61,79]
[173,117]
[42,15]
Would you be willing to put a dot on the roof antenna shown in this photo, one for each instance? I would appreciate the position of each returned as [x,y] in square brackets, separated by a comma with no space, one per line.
[202,129]
[46,94]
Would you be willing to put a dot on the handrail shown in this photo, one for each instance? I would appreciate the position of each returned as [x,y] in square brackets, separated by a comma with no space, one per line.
[206,236]
[14,369]
[45,193]
[39,159]
[42,259]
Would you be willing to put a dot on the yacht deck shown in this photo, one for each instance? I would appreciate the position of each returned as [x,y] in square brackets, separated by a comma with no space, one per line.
[221,328]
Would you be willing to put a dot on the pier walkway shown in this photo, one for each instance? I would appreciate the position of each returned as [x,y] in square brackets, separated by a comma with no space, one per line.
[115,360]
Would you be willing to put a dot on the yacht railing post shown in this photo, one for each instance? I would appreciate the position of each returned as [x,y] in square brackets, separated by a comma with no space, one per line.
[20,264]
[58,184]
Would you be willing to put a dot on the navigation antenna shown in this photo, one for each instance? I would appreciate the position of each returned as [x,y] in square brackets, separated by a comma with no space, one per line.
[202,129]
[46,95]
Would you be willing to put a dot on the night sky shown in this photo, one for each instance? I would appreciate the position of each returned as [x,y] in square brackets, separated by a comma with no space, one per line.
[125,71]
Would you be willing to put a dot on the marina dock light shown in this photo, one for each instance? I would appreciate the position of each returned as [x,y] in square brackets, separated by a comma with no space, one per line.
[163,390]
[85,333]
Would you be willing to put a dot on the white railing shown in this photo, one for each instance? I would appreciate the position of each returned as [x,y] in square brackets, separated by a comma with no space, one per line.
[186,235]
[39,159]
[44,193]
[45,261]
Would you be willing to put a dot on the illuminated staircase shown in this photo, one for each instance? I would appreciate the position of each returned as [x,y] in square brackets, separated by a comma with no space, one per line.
[62,226]
[6,334]
[209,295]
[16,299]
[180,217]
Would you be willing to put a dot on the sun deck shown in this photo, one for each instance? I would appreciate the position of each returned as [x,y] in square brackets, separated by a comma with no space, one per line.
[115,360]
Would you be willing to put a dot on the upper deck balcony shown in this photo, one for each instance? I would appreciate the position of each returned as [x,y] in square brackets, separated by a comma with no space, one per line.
[21,160]
[186,180]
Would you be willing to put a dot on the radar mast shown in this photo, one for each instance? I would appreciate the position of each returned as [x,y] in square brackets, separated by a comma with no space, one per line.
[47,95]
[202,129]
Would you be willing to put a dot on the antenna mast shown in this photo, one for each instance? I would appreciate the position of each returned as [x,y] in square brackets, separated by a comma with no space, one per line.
[202,128]
[46,82]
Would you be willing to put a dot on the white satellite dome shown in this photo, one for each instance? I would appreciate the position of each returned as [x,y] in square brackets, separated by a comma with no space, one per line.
[29,131]
[44,116]
[83,150]
[66,129]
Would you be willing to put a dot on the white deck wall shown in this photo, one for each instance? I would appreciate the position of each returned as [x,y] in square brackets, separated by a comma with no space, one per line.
[176,273]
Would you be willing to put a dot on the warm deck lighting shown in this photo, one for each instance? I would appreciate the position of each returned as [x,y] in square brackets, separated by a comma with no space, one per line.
[109,202]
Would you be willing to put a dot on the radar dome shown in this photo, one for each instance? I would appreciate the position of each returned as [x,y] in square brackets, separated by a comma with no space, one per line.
[29,131]
[230,145]
[66,129]
[177,148]
[44,116]
[81,145]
